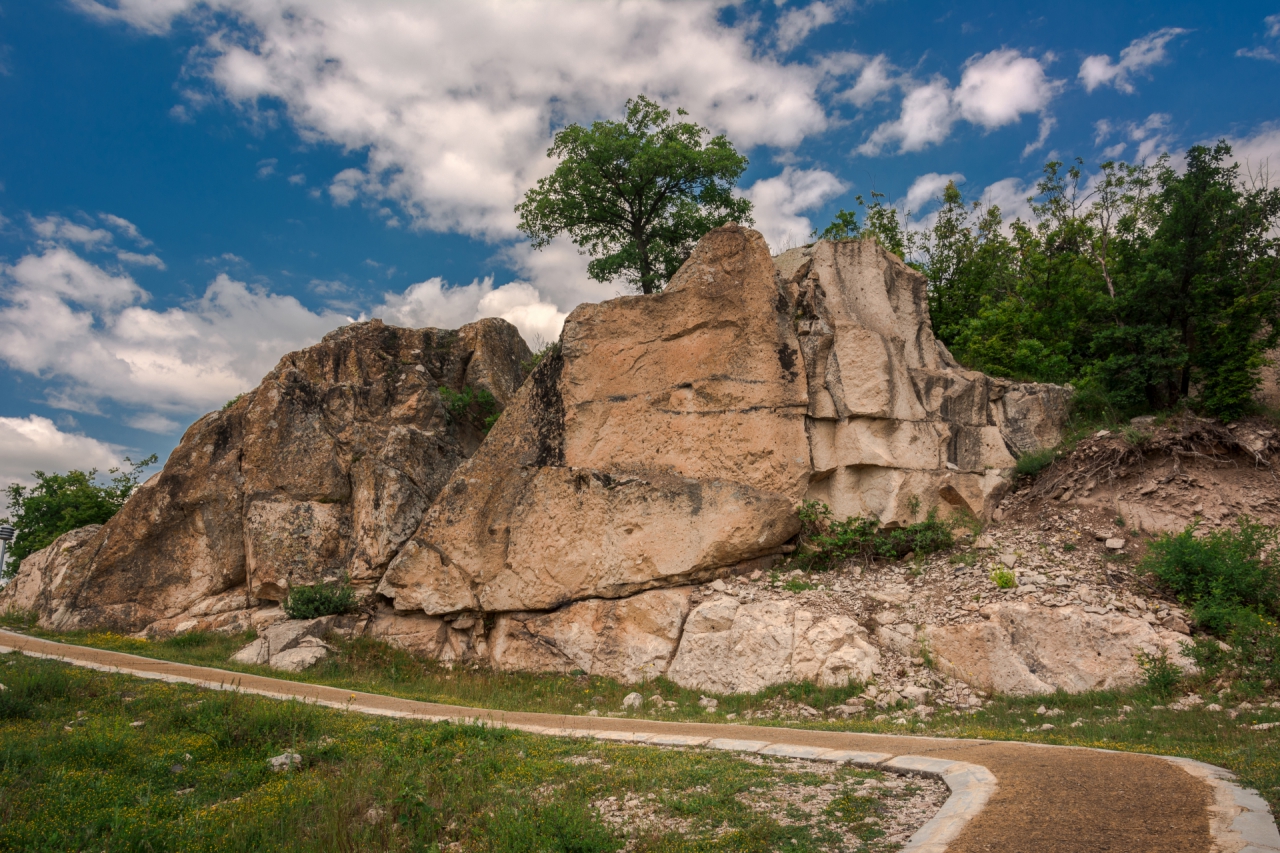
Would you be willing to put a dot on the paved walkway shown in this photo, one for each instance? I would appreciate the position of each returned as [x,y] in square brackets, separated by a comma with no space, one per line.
[1048,799]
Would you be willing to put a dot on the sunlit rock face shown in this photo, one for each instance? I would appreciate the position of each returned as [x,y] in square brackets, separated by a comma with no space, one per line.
[671,437]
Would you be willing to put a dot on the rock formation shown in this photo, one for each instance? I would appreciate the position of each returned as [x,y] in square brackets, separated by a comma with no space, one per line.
[323,470]
[666,442]
[672,436]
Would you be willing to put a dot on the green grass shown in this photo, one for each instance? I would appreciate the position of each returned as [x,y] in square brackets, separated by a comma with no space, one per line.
[77,774]
[374,667]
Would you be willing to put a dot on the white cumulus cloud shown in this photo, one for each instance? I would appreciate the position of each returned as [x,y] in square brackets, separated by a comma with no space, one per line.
[779,201]
[454,103]
[995,89]
[34,443]
[794,25]
[1138,58]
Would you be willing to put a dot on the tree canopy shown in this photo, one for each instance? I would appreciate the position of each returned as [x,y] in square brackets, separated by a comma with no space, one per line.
[1145,286]
[636,194]
[60,503]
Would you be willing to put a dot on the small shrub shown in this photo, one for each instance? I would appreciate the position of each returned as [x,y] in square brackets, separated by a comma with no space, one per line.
[1225,576]
[1162,675]
[472,405]
[1030,464]
[325,599]
[236,399]
[828,541]
[1252,653]
[798,585]
[1004,579]
[1068,547]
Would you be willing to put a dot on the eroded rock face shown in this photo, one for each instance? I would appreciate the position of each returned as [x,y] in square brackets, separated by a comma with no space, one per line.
[1024,649]
[631,640]
[323,470]
[892,418]
[729,647]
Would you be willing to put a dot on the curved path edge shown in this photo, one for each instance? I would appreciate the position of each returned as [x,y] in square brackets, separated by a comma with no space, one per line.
[1240,821]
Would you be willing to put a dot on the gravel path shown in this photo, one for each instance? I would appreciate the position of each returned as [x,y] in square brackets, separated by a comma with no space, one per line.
[1048,800]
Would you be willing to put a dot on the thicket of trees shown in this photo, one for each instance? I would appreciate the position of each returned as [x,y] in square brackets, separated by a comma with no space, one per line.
[1146,287]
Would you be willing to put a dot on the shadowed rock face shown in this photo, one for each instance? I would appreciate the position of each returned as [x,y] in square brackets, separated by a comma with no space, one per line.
[324,469]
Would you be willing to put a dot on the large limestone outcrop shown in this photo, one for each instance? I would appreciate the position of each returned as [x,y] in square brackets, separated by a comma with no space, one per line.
[323,470]
[891,415]
[672,436]
[667,441]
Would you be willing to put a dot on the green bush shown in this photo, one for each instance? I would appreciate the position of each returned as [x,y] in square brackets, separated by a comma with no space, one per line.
[1004,579]
[527,366]
[1162,674]
[826,541]
[325,599]
[1030,464]
[472,405]
[1227,577]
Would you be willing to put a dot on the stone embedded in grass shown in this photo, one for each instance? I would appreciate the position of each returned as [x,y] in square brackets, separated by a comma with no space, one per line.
[284,761]
[632,701]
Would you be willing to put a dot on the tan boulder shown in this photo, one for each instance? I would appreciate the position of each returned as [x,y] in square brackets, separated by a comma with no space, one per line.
[429,636]
[575,533]
[630,640]
[704,380]
[1024,649]
[729,647]
[28,591]
[323,470]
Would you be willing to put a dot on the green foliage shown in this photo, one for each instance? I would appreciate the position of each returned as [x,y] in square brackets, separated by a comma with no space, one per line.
[636,194]
[323,599]
[1145,287]
[1030,464]
[1161,675]
[1004,579]
[1225,576]
[826,541]
[194,777]
[475,406]
[60,503]
[880,221]
[236,399]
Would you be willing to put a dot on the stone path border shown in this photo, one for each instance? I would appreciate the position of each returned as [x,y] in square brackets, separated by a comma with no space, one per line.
[1239,820]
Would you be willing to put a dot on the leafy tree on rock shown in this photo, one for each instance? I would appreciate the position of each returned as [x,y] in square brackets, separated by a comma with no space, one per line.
[636,194]
[60,503]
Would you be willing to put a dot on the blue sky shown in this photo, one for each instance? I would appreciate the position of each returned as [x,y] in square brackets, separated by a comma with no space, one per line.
[188,190]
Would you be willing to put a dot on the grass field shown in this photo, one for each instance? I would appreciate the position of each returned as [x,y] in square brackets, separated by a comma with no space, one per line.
[1210,736]
[92,761]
